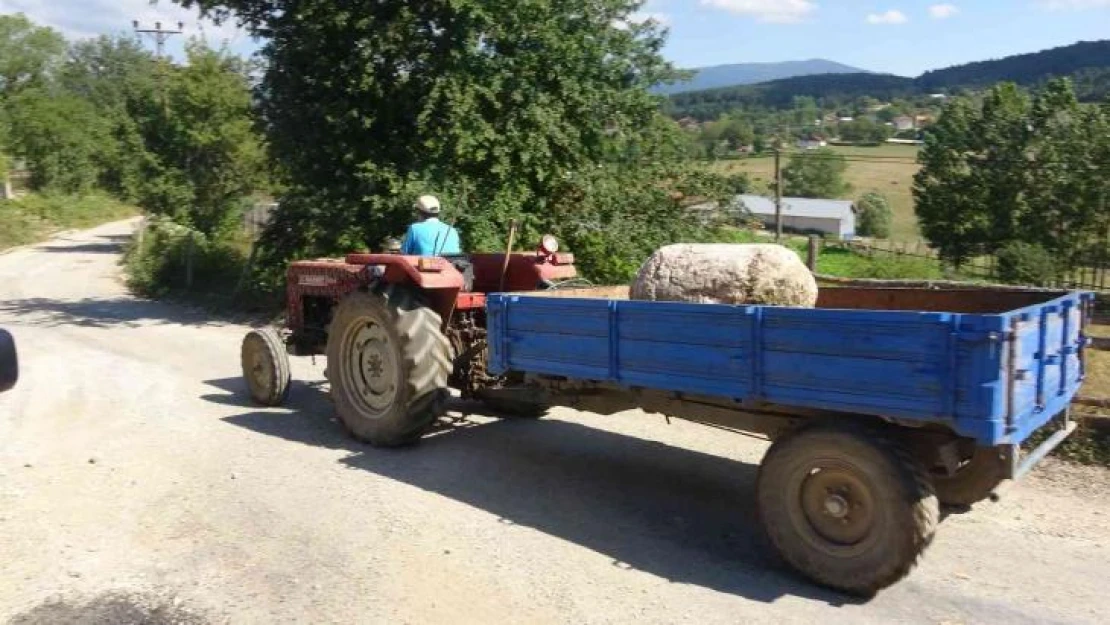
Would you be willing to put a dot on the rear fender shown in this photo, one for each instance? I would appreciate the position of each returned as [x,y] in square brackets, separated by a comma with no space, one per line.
[437,280]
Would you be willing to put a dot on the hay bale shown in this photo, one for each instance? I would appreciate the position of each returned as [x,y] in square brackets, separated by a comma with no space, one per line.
[726,274]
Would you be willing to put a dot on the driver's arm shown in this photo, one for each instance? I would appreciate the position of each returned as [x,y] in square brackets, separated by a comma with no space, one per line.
[408,245]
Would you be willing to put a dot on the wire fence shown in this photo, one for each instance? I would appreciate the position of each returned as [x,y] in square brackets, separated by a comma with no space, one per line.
[1092,276]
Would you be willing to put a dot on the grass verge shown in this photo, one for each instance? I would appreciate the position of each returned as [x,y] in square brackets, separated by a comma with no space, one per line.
[35,217]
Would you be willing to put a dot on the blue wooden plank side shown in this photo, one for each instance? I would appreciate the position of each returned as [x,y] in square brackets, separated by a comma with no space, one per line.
[932,367]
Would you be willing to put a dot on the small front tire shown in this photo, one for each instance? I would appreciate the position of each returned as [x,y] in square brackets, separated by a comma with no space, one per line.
[265,367]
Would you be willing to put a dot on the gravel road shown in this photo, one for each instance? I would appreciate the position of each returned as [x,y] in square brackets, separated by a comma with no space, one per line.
[132,466]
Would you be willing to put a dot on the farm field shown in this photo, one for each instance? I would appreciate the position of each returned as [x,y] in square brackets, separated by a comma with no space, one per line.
[894,179]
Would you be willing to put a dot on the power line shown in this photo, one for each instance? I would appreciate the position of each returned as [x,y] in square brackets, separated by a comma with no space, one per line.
[158,34]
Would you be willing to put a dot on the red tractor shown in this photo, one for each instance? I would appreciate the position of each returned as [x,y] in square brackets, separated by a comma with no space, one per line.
[398,332]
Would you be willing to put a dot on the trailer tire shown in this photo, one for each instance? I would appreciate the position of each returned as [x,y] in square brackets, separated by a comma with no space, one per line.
[265,367]
[388,364]
[847,506]
[973,482]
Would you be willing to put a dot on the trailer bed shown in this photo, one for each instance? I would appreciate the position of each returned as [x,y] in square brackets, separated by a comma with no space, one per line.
[990,365]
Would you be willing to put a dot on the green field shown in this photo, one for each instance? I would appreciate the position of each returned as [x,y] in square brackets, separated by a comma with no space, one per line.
[892,179]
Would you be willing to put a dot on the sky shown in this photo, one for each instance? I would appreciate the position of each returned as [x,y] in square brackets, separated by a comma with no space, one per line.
[904,37]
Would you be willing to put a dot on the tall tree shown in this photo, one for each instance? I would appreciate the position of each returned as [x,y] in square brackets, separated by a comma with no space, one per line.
[817,174]
[204,157]
[494,104]
[971,190]
[28,54]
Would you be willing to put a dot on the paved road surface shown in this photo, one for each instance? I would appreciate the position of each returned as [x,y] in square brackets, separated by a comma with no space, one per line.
[130,462]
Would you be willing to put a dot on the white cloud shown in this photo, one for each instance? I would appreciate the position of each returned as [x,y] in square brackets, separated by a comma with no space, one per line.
[890,17]
[1074,5]
[778,11]
[943,11]
[80,19]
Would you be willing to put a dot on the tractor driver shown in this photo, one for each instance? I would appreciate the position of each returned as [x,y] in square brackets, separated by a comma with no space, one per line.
[429,236]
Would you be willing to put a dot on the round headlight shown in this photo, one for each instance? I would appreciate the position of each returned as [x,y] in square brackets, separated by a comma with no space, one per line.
[549,244]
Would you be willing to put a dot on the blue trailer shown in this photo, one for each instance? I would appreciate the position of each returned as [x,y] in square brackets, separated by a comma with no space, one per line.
[881,403]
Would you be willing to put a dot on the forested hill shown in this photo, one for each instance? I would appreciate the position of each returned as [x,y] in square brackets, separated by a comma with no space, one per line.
[1087,63]
[1024,69]
[829,89]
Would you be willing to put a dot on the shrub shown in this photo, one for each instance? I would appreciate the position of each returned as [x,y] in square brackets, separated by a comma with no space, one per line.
[157,265]
[1026,263]
[874,216]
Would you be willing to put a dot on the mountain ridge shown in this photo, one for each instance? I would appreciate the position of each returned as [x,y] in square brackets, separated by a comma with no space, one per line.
[739,74]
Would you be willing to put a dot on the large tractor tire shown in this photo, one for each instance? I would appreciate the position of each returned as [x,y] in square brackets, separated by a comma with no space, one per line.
[973,481]
[846,506]
[388,364]
[265,367]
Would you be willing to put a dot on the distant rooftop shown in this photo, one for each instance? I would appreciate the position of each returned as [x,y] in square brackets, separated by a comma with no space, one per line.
[798,207]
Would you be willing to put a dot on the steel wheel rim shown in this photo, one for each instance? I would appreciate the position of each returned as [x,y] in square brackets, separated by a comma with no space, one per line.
[371,371]
[259,364]
[837,507]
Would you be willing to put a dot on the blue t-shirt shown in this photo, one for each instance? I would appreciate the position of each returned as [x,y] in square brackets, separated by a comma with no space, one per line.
[431,237]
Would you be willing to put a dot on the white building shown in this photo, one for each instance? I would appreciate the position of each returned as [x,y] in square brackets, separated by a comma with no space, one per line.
[832,217]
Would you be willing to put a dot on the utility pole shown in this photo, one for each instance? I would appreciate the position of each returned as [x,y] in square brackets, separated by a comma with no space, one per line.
[778,194]
[158,34]
[160,37]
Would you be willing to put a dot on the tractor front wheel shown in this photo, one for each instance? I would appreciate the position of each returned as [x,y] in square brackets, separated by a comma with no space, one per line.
[265,367]
[388,364]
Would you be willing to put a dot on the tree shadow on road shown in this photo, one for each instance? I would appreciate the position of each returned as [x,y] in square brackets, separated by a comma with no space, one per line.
[99,313]
[84,248]
[680,514]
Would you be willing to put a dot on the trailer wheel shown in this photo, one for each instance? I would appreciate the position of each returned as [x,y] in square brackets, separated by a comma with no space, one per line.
[972,482]
[388,364]
[846,506]
[265,367]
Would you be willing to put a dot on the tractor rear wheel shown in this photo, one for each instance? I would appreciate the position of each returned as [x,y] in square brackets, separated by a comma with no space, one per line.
[847,506]
[265,367]
[388,364]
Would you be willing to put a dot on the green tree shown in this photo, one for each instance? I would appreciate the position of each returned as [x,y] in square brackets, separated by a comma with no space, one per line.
[493,104]
[874,216]
[62,137]
[204,157]
[28,54]
[121,80]
[817,174]
[971,192]
[864,131]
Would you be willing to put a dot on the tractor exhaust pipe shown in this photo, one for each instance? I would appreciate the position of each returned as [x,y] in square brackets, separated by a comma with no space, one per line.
[508,253]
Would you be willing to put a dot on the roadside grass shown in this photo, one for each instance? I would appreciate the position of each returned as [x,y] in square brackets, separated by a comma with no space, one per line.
[845,263]
[35,217]
[894,179]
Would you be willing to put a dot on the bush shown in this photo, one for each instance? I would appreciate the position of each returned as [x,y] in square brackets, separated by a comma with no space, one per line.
[157,266]
[874,216]
[1026,263]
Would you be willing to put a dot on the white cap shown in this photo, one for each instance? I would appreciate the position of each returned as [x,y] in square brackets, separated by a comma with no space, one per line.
[428,204]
